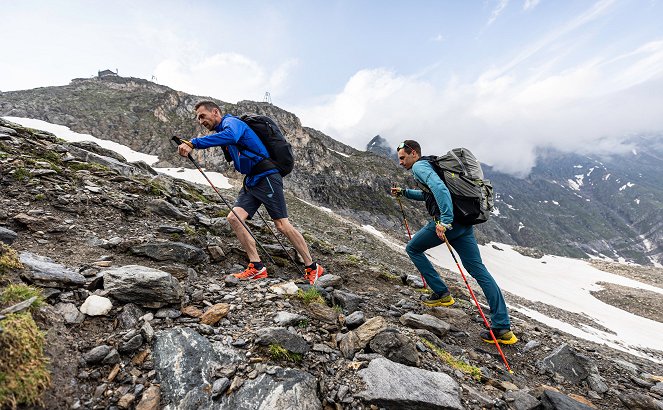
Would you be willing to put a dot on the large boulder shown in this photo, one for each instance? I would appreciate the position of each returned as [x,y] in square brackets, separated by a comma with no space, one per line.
[396,386]
[143,286]
[42,271]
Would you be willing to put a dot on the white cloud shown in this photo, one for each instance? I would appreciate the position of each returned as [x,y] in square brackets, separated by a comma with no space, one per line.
[497,11]
[230,77]
[503,117]
[438,38]
[530,4]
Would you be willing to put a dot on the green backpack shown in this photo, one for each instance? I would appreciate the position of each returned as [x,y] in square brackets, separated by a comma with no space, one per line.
[471,194]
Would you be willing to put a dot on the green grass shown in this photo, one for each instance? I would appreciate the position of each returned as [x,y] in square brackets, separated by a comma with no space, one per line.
[16,293]
[310,296]
[40,197]
[23,366]
[446,357]
[21,174]
[9,259]
[389,277]
[352,260]
[280,353]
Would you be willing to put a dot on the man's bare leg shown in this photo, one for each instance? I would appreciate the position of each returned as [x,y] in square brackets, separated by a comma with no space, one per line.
[243,235]
[296,239]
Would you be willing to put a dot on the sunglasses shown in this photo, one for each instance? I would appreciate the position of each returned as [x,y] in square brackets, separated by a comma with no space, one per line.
[403,145]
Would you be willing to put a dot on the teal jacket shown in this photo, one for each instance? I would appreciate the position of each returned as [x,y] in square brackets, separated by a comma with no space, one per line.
[433,191]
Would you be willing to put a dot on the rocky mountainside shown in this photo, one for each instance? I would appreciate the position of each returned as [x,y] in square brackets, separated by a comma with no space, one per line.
[138,311]
[569,205]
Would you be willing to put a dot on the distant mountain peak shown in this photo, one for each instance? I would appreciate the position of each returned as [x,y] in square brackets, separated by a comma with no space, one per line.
[379,146]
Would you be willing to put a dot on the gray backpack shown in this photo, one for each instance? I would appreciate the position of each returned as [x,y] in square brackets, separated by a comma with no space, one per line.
[471,194]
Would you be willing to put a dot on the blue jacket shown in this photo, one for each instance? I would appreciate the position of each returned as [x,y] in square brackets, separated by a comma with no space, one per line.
[230,132]
[436,194]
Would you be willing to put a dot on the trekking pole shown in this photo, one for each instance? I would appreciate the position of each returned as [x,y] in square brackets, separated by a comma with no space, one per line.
[280,243]
[179,141]
[407,227]
[485,321]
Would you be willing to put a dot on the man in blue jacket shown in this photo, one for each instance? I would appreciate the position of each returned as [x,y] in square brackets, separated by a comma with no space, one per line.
[438,203]
[263,185]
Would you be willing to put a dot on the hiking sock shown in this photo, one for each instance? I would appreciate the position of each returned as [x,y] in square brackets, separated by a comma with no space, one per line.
[258,265]
[312,266]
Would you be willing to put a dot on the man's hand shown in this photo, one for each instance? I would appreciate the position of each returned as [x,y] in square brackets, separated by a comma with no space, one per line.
[440,230]
[185,148]
[396,192]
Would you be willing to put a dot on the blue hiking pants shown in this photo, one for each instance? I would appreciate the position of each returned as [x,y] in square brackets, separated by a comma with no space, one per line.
[464,243]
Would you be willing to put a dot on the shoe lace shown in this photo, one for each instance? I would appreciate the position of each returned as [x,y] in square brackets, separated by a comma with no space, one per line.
[250,270]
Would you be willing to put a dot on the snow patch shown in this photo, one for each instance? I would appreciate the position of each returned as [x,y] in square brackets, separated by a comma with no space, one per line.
[339,153]
[627,185]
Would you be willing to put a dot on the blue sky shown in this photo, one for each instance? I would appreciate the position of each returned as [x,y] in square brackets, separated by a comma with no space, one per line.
[501,77]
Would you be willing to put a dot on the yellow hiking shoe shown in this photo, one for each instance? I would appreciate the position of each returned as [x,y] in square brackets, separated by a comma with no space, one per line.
[435,299]
[503,336]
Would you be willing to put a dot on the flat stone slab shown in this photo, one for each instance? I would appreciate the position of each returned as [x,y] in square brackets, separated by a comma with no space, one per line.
[395,386]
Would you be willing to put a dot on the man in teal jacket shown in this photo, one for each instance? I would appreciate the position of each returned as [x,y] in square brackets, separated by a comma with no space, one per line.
[263,185]
[438,203]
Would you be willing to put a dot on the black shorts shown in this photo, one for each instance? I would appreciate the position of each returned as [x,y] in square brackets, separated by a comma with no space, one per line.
[269,192]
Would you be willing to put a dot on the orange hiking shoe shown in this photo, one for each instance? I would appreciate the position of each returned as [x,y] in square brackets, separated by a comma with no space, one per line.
[312,274]
[251,273]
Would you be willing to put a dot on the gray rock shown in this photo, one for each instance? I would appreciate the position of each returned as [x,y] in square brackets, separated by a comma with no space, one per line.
[357,339]
[484,401]
[170,229]
[597,383]
[571,365]
[165,208]
[552,400]
[657,388]
[287,318]
[112,358]
[129,317]
[168,313]
[171,251]
[120,167]
[220,386]
[396,386]
[96,354]
[532,344]
[521,400]
[70,312]
[132,344]
[44,272]
[628,366]
[396,347]
[185,363]
[355,319]
[348,301]
[640,401]
[18,307]
[7,236]
[286,389]
[437,326]
[415,281]
[142,285]
[279,335]
[147,332]
[328,280]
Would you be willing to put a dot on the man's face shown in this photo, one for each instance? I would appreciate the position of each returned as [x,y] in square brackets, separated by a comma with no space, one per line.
[407,160]
[208,119]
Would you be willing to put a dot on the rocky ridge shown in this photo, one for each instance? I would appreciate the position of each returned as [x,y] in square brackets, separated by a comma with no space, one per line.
[134,264]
